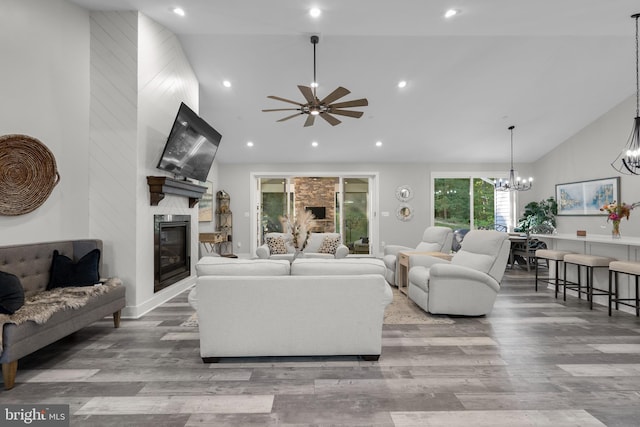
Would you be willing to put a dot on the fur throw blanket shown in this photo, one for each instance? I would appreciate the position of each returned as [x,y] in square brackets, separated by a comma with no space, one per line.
[40,306]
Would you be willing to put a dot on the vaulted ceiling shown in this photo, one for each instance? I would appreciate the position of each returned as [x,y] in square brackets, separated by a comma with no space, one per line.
[548,67]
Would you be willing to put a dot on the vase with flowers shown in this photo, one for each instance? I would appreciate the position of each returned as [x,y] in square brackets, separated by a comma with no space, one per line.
[615,212]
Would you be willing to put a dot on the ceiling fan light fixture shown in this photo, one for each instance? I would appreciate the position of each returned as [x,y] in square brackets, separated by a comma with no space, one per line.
[628,161]
[326,107]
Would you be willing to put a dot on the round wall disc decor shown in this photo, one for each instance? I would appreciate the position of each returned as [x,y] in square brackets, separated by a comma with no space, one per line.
[28,174]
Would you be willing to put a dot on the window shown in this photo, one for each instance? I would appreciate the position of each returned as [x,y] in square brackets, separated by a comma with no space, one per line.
[470,201]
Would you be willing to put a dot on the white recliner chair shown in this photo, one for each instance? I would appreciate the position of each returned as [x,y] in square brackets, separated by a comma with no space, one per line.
[434,239]
[468,284]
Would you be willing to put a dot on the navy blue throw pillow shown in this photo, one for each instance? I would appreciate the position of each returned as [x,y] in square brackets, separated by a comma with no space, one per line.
[65,272]
[11,293]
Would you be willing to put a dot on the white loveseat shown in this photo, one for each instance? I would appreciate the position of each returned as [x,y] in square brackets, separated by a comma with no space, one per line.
[318,307]
[311,250]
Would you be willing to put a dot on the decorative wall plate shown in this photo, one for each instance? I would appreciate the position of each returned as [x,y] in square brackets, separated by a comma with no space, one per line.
[404,193]
[404,212]
[28,174]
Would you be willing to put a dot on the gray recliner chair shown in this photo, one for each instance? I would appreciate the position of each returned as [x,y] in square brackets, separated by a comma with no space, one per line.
[434,239]
[469,283]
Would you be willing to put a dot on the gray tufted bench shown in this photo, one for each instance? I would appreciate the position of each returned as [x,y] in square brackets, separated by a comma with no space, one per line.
[31,263]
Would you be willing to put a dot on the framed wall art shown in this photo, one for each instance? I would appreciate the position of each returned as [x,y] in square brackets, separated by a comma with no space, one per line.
[205,206]
[587,197]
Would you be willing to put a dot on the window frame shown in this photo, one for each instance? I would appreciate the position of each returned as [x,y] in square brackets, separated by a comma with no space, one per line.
[471,175]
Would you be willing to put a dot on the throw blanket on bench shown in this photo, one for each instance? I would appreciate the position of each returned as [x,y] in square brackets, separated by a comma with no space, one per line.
[41,306]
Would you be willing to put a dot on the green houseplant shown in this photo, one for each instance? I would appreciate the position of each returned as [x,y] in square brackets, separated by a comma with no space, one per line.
[539,217]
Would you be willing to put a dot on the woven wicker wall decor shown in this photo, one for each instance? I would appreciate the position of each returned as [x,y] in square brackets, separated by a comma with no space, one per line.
[28,174]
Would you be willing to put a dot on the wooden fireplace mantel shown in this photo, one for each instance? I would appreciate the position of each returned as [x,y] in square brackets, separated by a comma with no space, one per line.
[161,185]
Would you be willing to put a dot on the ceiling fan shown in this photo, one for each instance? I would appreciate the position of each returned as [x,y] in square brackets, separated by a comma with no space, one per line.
[326,107]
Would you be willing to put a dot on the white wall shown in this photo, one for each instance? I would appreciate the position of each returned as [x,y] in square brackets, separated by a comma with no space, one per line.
[235,179]
[588,155]
[44,82]
[114,105]
[139,77]
[165,79]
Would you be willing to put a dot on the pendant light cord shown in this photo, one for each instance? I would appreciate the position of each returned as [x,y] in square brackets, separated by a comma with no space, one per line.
[637,74]
[315,82]
[511,129]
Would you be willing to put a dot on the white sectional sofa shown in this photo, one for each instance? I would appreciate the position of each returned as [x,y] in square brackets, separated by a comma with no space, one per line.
[312,307]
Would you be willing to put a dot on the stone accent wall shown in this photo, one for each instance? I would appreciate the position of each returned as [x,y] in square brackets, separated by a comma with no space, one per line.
[312,191]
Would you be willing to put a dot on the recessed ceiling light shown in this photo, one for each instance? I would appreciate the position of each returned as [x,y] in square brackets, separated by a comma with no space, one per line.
[314,84]
[315,12]
[226,83]
[314,144]
[249,144]
[402,83]
[379,144]
[451,13]
[178,11]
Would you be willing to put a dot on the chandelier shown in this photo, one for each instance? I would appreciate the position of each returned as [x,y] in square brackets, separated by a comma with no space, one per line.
[628,161]
[514,182]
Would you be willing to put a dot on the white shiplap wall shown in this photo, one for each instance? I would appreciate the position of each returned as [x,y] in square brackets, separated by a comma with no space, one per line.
[139,76]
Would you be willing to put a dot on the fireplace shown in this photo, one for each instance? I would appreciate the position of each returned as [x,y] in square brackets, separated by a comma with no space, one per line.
[172,257]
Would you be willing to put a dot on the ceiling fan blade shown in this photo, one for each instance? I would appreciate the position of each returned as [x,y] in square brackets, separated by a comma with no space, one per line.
[281,109]
[355,103]
[356,114]
[310,120]
[336,94]
[284,100]
[289,117]
[307,92]
[329,118]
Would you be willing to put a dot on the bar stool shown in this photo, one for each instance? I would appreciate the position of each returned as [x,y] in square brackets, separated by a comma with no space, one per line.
[626,267]
[591,262]
[550,255]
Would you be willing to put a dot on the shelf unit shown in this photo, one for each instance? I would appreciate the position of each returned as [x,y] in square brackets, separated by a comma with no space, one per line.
[224,222]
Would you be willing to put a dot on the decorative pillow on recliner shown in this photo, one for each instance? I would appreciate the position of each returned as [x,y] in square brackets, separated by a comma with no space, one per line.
[329,245]
[65,272]
[11,293]
[276,245]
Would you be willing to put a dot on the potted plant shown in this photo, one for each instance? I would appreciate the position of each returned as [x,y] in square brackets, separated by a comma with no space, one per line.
[539,217]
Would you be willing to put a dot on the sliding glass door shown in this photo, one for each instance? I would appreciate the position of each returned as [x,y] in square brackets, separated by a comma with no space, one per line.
[340,204]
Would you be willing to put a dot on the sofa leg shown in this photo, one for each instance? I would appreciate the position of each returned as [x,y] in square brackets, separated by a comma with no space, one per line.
[371,357]
[210,359]
[9,371]
[116,319]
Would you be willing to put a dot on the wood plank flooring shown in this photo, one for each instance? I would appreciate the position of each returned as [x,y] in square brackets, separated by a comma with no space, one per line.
[534,361]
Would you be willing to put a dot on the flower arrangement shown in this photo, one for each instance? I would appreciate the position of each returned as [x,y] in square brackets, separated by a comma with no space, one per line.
[615,212]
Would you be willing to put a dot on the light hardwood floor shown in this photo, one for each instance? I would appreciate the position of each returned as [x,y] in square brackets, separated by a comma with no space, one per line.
[534,360]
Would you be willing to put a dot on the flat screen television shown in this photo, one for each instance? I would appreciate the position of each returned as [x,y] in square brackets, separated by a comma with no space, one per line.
[319,212]
[191,146]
